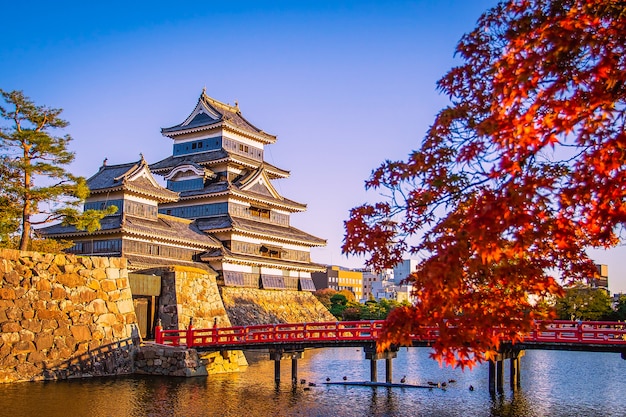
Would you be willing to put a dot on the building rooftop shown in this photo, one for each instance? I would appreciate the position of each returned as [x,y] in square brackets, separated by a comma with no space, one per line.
[210,113]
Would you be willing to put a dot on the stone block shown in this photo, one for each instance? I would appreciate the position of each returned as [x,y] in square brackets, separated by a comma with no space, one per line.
[112,273]
[7,293]
[107,319]
[81,333]
[71,280]
[108,285]
[32,325]
[97,306]
[93,284]
[44,341]
[43,285]
[125,306]
[27,336]
[99,274]
[59,293]
[13,277]
[23,348]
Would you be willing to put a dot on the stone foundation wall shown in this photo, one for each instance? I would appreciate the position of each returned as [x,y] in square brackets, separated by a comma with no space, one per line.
[249,306]
[188,293]
[64,316]
[169,361]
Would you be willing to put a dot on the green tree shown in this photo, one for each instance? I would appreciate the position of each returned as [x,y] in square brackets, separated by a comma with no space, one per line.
[584,303]
[37,182]
[9,203]
[620,308]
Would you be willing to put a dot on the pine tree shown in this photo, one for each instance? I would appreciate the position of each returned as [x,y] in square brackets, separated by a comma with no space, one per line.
[37,187]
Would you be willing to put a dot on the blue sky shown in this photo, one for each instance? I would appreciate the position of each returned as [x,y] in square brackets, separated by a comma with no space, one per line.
[344,85]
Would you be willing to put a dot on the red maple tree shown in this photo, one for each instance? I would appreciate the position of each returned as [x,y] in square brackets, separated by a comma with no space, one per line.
[517,177]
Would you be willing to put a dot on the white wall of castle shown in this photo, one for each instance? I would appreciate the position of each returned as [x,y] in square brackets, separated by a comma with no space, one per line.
[269,240]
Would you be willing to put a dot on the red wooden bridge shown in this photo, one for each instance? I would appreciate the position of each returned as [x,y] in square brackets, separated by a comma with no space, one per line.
[289,340]
[556,334]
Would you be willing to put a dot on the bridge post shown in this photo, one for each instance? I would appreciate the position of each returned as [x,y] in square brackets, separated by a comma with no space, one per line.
[388,370]
[492,377]
[515,362]
[500,375]
[294,369]
[373,370]
[277,369]
[158,332]
[189,334]
[373,356]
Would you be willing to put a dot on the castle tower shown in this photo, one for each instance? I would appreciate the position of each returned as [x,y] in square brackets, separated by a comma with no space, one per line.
[217,166]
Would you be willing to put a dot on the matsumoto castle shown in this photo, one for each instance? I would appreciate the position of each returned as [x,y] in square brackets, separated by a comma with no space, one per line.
[219,211]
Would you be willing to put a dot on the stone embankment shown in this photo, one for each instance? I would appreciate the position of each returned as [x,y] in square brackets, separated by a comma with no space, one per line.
[63,316]
[169,360]
[191,295]
[249,306]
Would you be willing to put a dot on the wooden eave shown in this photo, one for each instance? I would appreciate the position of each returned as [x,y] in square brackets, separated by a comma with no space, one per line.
[128,188]
[265,262]
[131,231]
[276,238]
[266,139]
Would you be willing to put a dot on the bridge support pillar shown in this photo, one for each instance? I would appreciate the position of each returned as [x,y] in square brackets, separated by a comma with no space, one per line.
[373,356]
[294,370]
[496,370]
[277,354]
[277,370]
[515,381]
[373,370]
[388,370]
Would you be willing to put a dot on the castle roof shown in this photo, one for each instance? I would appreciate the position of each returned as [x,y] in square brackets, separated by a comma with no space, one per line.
[165,228]
[133,177]
[211,158]
[211,114]
[233,224]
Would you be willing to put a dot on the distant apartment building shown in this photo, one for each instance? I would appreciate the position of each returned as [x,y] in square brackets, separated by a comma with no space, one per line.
[339,278]
[404,269]
[601,280]
[366,284]
[369,279]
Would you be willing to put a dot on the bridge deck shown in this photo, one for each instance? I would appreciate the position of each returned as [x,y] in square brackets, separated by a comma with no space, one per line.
[557,334]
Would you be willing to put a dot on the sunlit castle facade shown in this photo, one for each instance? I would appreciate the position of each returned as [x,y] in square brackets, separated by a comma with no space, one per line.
[225,186]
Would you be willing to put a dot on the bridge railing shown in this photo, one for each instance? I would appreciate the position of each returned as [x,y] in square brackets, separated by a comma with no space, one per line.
[271,333]
[589,332]
[556,331]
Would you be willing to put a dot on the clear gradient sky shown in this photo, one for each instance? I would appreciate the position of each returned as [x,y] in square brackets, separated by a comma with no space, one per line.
[344,85]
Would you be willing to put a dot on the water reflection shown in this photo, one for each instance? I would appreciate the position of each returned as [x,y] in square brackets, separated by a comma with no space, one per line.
[553,384]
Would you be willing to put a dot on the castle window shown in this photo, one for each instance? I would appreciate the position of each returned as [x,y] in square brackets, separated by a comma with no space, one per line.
[270,251]
[259,212]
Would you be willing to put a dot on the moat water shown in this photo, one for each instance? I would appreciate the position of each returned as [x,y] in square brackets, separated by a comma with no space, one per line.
[553,383]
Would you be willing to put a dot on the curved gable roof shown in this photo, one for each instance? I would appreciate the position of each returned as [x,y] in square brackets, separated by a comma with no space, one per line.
[210,113]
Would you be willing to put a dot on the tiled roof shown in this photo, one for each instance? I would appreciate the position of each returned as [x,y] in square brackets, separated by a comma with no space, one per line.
[206,159]
[128,177]
[227,114]
[144,262]
[224,187]
[108,224]
[242,225]
[168,228]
